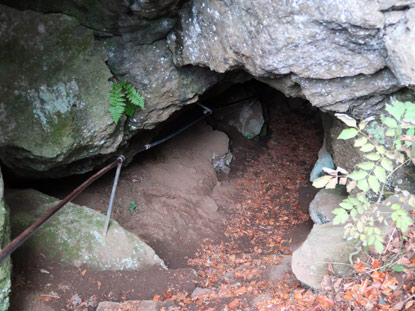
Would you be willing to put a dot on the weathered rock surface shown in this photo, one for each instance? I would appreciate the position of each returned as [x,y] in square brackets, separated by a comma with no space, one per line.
[53,94]
[74,236]
[340,38]
[323,204]
[324,245]
[399,40]
[361,94]
[111,16]
[5,266]
[165,87]
[247,117]
[333,53]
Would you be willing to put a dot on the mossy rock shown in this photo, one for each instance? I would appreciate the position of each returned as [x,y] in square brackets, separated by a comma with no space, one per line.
[5,266]
[53,95]
[74,236]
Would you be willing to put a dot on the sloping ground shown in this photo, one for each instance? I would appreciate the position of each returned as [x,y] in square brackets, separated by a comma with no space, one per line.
[251,269]
[245,263]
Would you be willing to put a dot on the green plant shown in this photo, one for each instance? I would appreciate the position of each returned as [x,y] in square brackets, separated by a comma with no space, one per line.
[124,99]
[132,206]
[387,145]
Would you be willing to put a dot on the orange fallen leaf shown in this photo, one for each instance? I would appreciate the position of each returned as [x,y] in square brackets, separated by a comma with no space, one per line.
[234,303]
[83,272]
[375,264]
[43,298]
[378,276]
[156,297]
[360,267]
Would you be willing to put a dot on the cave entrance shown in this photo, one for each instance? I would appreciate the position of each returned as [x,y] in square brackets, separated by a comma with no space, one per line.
[239,218]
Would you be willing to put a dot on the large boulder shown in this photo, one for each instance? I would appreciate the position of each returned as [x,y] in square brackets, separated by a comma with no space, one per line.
[324,245]
[5,265]
[247,118]
[53,94]
[74,236]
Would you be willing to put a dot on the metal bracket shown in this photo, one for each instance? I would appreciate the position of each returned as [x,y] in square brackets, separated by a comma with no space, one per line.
[206,110]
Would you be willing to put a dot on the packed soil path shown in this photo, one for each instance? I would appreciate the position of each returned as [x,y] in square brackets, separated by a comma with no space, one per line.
[246,266]
[252,270]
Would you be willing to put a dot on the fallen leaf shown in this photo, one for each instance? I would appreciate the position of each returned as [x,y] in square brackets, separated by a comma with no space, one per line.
[375,264]
[83,272]
[359,267]
[156,297]
[234,303]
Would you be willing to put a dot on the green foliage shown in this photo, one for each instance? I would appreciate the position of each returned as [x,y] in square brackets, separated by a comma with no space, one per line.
[398,268]
[123,100]
[387,145]
[132,206]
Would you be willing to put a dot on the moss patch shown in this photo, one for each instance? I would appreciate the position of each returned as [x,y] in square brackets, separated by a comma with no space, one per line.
[74,236]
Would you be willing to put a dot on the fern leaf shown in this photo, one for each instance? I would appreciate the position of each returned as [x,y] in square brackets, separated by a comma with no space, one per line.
[123,100]
[129,109]
[116,88]
[123,84]
[116,112]
[133,96]
[117,102]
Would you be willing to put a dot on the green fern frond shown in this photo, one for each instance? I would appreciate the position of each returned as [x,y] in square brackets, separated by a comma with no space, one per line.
[116,112]
[123,100]
[133,96]
[129,110]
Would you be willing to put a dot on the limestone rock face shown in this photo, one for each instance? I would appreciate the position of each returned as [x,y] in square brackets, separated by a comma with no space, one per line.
[53,93]
[401,50]
[74,236]
[165,87]
[340,55]
[5,266]
[108,17]
[340,38]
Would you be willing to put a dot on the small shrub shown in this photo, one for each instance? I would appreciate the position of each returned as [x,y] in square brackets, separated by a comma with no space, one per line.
[387,145]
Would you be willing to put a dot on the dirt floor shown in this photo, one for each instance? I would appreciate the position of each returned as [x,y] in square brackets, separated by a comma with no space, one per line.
[220,233]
